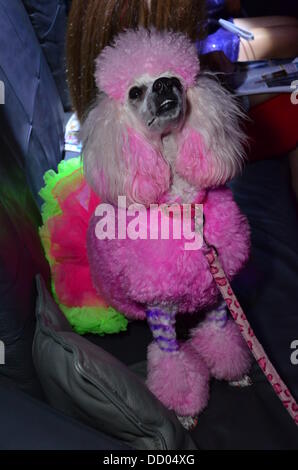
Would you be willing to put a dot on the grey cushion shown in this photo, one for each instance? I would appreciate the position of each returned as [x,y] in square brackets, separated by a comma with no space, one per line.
[88,383]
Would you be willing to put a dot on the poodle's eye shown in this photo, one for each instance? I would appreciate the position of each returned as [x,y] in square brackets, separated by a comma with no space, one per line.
[135,93]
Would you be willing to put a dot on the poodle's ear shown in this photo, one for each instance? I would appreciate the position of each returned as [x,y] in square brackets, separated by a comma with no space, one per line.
[211,143]
[118,159]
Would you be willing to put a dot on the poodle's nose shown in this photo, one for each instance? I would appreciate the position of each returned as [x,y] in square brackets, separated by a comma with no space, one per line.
[166,91]
[165,85]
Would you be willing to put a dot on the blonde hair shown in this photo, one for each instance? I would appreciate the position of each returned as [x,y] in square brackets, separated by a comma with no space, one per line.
[94,23]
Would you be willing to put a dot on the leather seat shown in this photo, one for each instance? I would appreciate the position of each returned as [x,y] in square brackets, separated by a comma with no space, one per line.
[49,22]
[33,109]
[21,258]
[31,142]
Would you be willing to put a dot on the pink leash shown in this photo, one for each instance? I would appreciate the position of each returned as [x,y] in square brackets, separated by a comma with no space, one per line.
[256,348]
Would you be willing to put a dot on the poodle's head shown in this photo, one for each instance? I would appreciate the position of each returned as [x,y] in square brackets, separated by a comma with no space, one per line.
[148,82]
[158,104]
[149,72]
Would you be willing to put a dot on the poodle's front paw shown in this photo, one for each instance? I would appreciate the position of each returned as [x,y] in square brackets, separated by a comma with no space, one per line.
[223,350]
[180,379]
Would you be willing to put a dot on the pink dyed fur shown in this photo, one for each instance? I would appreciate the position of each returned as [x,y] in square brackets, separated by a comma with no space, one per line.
[122,158]
[135,53]
[179,380]
[223,350]
[150,175]
[135,273]
[112,163]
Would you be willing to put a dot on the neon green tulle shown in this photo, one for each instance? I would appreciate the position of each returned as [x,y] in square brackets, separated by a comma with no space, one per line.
[84,319]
